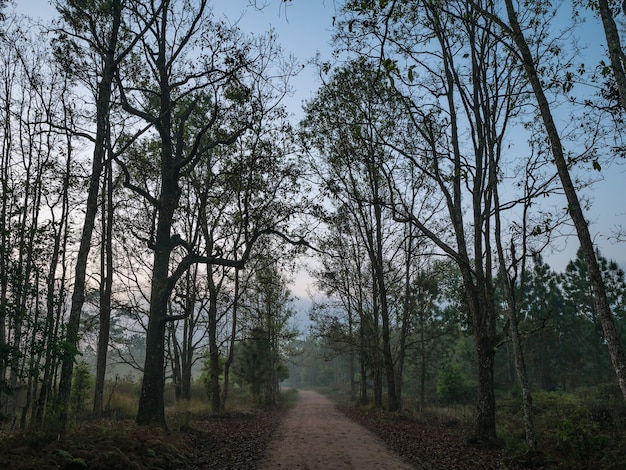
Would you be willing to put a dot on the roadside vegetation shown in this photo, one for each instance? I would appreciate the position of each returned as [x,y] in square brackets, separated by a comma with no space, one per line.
[581,430]
[197,438]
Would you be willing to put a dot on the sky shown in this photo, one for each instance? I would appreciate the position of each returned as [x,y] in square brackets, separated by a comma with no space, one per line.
[304,30]
[304,27]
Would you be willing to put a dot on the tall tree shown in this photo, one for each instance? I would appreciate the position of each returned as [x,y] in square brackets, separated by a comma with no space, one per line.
[200,85]
[343,123]
[585,341]
[458,90]
[106,286]
[261,363]
[92,31]
[33,215]
[509,280]
[544,312]
[257,189]
[342,320]
[513,30]
[57,282]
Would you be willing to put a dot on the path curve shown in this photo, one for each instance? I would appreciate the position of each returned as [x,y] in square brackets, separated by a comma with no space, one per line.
[315,435]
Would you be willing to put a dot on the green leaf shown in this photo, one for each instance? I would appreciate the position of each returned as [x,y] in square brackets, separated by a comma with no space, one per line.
[596,165]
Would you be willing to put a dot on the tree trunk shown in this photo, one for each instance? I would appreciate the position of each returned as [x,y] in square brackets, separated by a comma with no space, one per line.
[375,351]
[186,350]
[509,292]
[175,359]
[363,366]
[106,289]
[151,408]
[485,400]
[55,298]
[351,371]
[406,315]
[520,369]
[616,55]
[214,366]
[187,354]
[5,226]
[231,342]
[21,276]
[362,350]
[392,397]
[422,351]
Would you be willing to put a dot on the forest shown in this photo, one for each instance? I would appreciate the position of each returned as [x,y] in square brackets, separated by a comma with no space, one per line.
[157,198]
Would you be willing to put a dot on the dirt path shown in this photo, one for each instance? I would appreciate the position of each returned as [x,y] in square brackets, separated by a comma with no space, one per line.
[315,435]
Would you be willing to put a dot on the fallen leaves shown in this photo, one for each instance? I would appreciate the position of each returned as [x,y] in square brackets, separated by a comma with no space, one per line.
[430,442]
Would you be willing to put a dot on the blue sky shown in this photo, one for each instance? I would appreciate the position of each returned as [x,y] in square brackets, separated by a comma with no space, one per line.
[304,29]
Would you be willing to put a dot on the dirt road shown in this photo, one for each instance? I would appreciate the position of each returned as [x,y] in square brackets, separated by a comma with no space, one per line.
[315,435]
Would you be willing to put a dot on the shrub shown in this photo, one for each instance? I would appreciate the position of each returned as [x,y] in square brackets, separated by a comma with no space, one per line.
[579,435]
[82,382]
[453,386]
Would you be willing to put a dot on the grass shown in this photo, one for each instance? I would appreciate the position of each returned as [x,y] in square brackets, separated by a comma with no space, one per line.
[582,429]
[115,441]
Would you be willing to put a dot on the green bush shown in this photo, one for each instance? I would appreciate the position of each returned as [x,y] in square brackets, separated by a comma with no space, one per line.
[82,382]
[205,376]
[453,386]
[580,435]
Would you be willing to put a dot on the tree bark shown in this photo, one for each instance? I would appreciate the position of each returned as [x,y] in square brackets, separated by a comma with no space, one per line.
[151,408]
[106,290]
[214,356]
[374,348]
[486,410]
[390,373]
[616,55]
[231,341]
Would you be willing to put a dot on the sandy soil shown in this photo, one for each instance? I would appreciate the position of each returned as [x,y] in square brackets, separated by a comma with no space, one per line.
[315,435]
